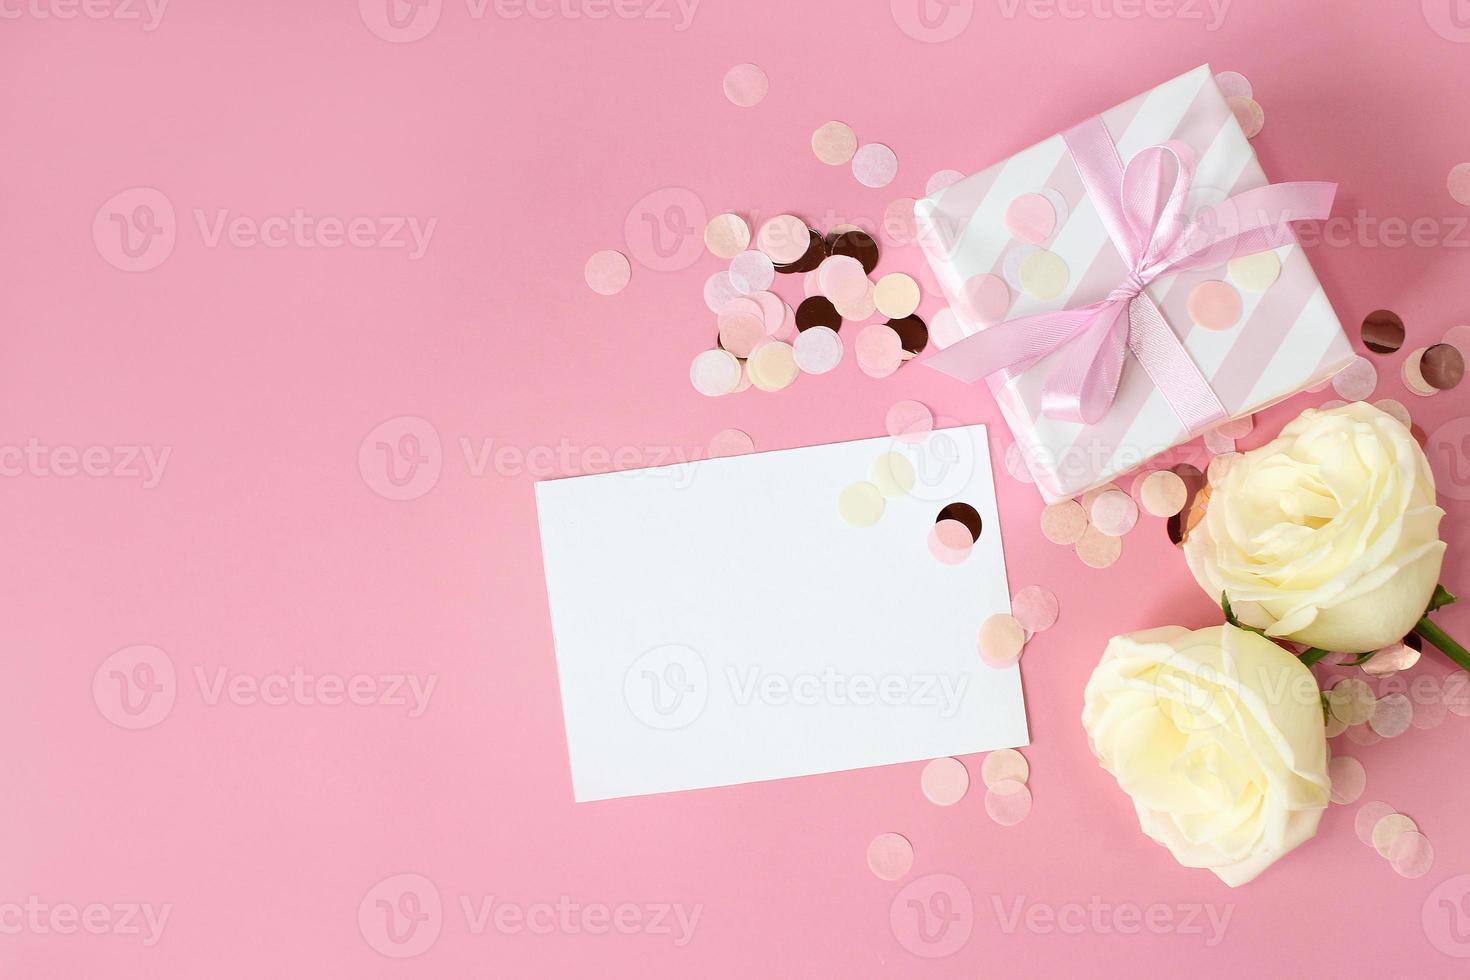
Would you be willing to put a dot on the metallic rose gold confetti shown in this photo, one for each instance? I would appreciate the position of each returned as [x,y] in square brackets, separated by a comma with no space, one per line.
[860,504]
[1411,854]
[1458,183]
[817,350]
[1035,608]
[607,272]
[1391,659]
[1163,493]
[950,542]
[772,366]
[784,238]
[746,85]
[899,224]
[1031,218]
[1233,83]
[726,235]
[1355,383]
[1249,114]
[719,290]
[1001,640]
[896,295]
[1383,331]
[1098,550]
[940,180]
[1008,802]
[909,421]
[1063,523]
[834,143]
[1392,716]
[874,165]
[1396,408]
[730,442]
[1456,693]
[1004,764]
[751,271]
[890,856]
[1214,305]
[1367,818]
[1388,829]
[1015,461]
[1348,779]
[944,781]
[714,372]
[1114,513]
[1442,366]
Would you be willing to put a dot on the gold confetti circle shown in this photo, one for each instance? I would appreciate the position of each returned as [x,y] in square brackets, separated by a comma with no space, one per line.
[860,504]
[1043,274]
[892,474]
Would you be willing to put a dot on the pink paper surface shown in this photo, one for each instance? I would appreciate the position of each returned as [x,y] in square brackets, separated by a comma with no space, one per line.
[352,435]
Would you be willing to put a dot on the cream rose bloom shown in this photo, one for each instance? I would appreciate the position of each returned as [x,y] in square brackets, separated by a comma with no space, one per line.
[1217,735]
[1328,535]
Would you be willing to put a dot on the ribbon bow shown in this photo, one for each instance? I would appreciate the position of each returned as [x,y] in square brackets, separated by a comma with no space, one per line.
[1142,210]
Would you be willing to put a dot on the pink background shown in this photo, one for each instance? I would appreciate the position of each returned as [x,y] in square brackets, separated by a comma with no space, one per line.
[269,546]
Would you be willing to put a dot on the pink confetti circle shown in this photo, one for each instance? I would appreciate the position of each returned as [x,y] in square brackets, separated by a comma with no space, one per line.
[730,442]
[1063,523]
[740,306]
[1458,183]
[752,271]
[879,350]
[714,372]
[1233,83]
[985,298]
[945,329]
[941,180]
[607,272]
[1429,712]
[890,856]
[1357,381]
[899,224]
[1367,818]
[843,280]
[1214,305]
[1031,218]
[746,85]
[909,421]
[1348,779]
[718,291]
[1015,461]
[784,238]
[945,781]
[1411,854]
[1392,716]
[1008,802]
[874,165]
[1362,735]
[1249,114]
[741,332]
[1114,513]
[817,350]
[950,542]
[1001,640]
[1035,608]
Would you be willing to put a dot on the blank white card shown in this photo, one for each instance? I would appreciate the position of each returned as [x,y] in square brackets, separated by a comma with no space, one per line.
[717,622]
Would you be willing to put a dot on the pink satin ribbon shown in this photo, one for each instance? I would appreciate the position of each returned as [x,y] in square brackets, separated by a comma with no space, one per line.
[1143,212]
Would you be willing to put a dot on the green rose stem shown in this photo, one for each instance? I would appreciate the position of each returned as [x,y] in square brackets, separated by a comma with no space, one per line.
[1446,643]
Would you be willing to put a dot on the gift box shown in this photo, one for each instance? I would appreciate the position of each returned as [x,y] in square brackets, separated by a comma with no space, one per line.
[1130,283]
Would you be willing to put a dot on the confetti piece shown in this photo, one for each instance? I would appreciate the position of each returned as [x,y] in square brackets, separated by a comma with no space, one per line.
[772,309]
[950,542]
[899,223]
[1214,305]
[1003,764]
[1383,332]
[1362,735]
[752,270]
[1395,408]
[1249,114]
[1458,183]
[1392,716]
[1162,494]
[817,350]
[1237,428]
[1064,523]
[890,856]
[1008,802]
[1031,218]
[714,372]
[945,328]
[1388,829]
[879,350]
[1098,550]
[1035,608]
[1429,713]
[859,309]
[1456,693]
[985,298]
[1411,854]
[1043,274]
[1458,336]
[941,180]
[1355,383]
[1352,700]
[834,143]
[1114,513]
[1335,726]
[1233,83]
[607,272]
[892,474]
[965,514]
[874,165]
[860,504]
[1219,467]
[1391,659]
[909,421]
[772,367]
[746,85]
[842,279]
[817,311]
[730,442]
[945,781]
[740,332]
[726,235]
[1348,779]
[718,291]
[1255,273]
[913,334]
[896,295]
[784,239]
[1001,640]
[855,244]
[1367,818]
[1413,376]
[1442,366]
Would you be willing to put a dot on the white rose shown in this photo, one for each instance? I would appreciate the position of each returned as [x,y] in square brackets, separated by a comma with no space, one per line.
[1327,535]
[1218,736]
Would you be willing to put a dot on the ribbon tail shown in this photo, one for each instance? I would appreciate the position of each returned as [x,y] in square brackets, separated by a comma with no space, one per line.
[1082,386]
[1013,345]
[1170,367]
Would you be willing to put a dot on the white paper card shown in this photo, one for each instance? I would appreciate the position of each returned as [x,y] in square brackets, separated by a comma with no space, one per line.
[717,622]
